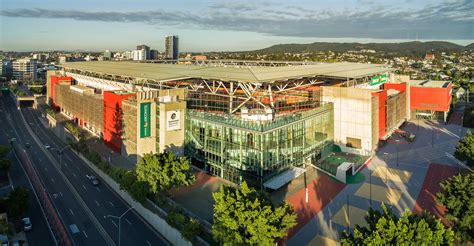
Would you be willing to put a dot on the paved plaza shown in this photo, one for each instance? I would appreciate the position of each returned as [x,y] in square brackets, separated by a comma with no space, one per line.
[408,179]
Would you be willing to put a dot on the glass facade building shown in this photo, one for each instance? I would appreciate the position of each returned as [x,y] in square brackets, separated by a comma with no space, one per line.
[256,151]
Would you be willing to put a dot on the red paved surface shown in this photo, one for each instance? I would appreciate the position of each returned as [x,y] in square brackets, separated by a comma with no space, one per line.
[320,192]
[202,178]
[427,197]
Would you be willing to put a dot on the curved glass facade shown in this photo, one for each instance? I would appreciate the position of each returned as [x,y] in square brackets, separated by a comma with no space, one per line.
[256,151]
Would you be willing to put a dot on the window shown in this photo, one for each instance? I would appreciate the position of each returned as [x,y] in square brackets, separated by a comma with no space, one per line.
[353,143]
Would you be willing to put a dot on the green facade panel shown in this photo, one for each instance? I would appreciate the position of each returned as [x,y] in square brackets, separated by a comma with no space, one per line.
[145,120]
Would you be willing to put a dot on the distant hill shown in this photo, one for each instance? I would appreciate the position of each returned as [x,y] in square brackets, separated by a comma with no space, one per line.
[414,47]
[469,47]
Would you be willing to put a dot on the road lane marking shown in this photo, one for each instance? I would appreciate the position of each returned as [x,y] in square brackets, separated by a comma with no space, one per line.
[71,211]
[97,188]
[147,242]
[96,202]
[52,180]
[84,187]
[60,193]
[113,222]
[73,174]
[69,158]
[128,221]
[85,234]
[111,204]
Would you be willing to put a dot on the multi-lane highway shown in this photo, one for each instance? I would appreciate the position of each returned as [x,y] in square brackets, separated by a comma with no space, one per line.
[40,235]
[82,206]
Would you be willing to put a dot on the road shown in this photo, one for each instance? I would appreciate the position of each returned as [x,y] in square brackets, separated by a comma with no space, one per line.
[101,199]
[40,235]
[73,215]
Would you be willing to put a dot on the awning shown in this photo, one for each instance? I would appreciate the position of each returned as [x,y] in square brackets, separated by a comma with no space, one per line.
[285,177]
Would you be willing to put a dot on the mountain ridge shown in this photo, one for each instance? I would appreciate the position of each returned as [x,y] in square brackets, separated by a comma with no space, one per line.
[402,48]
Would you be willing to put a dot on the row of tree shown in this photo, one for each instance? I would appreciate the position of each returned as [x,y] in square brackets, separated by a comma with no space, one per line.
[465,149]
[246,216]
[385,228]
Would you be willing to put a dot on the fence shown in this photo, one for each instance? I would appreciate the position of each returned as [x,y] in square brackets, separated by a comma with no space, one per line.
[59,230]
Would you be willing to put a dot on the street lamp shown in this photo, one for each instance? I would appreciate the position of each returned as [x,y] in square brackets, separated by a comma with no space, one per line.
[61,154]
[432,136]
[397,141]
[120,220]
[370,186]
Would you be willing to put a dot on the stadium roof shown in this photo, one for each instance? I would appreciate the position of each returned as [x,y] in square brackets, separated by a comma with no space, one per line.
[165,72]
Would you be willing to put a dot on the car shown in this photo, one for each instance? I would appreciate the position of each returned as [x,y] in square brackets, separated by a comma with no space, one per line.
[411,137]
[46,146]
[93,179]
[27,224]
[27,145]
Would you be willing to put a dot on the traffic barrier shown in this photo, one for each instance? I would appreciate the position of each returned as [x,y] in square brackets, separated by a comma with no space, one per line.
[60,232]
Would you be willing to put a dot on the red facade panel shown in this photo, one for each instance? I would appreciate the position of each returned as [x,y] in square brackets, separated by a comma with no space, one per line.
[55,80]
[382,99]
[430,98]
[401,87]
[112,132]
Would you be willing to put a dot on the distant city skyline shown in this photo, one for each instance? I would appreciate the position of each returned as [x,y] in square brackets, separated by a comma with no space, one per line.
[210,25]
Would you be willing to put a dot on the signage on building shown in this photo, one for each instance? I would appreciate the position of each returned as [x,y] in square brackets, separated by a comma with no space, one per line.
[378,79]
[145,120]
[173,120]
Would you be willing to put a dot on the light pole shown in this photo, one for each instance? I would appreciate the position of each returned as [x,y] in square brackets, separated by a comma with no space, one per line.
[120,221]
[61,154]
[397,141]
[370,186]
[432,136]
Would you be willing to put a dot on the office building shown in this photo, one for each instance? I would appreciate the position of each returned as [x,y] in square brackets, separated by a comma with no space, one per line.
[24,70]
[172,47]
[139,55]
[6,68]
[107,55]
[145,49]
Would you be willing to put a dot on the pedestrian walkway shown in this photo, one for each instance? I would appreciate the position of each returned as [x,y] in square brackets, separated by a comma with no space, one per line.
[431,185]
[109,155]
[396,187]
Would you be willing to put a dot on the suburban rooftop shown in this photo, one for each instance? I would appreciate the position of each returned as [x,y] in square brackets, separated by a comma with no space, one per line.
[430,83]
[251,74]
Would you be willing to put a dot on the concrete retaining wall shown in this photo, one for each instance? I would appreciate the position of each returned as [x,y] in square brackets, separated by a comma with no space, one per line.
[170,233]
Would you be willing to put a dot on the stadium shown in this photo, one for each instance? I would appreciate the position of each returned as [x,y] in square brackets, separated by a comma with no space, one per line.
[262,122]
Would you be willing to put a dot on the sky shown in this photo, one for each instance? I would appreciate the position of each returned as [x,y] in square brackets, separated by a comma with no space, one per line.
[223,25]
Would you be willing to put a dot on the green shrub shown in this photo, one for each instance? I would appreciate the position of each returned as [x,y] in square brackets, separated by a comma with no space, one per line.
[4,149]
[191,229]
[176,218]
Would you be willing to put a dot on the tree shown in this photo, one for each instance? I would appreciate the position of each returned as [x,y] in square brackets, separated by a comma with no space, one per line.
[247,217]
[465,149]
[163,172]
[457,196]
[18,202]
[4,165]
[4,151]
[139,191]
[385,228]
